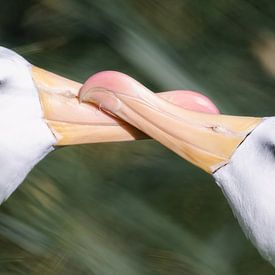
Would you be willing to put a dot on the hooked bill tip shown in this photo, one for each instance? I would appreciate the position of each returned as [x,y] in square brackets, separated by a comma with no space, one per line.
[193,101]
[117,81]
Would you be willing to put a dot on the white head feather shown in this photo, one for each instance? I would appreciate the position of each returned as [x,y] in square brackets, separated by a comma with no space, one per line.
[24,136]
[248,182]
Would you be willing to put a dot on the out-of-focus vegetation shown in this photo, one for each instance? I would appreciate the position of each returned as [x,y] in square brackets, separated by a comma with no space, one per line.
[136,208]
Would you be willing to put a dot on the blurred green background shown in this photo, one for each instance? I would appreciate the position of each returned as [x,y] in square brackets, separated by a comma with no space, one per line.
[136,208]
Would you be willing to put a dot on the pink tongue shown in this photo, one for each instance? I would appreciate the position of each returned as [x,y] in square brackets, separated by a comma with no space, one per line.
[116,81]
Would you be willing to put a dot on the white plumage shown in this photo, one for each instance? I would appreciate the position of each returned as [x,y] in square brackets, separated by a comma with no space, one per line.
[248,183]
[25,138]
[247,180]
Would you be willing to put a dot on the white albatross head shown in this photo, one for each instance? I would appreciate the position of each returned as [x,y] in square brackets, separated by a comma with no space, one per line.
[40,110]
[238,151]
[248,183]
[25,138]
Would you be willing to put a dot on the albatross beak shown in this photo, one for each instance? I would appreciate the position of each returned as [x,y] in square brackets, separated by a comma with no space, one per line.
[206,140]
[73,122]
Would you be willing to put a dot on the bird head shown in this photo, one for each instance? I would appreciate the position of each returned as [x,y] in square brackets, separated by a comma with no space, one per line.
[237,151]
[40,111]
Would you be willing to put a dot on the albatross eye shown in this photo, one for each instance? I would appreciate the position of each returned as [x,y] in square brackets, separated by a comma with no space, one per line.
[2,82]
[271,148]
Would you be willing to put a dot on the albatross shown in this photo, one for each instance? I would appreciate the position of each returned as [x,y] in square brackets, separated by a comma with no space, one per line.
[239,152]
[40,111]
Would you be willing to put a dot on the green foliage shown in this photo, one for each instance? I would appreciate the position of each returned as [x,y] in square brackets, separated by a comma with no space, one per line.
[136,208]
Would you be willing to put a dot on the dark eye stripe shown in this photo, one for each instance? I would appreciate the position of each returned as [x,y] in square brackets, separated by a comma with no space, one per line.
[3,82]
[270,147]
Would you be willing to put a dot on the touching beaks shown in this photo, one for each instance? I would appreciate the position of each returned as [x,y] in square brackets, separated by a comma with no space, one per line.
[206,140]
[73,122]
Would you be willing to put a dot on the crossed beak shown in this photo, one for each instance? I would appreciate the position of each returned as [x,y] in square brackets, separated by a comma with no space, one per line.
[73,122]
[206,140]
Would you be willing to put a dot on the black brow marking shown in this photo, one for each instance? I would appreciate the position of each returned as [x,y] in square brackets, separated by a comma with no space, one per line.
[270,147]
[2,82]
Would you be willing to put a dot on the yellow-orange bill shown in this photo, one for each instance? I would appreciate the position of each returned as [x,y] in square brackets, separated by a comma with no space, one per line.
[73,122]
[206,140]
